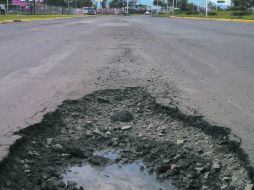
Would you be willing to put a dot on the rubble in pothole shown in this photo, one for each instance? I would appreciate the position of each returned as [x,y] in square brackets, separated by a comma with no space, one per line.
[183,150]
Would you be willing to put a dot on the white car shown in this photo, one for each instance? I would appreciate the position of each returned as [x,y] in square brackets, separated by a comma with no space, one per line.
[147,13]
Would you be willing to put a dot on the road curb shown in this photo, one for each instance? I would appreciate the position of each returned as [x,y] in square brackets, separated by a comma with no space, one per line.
[217,19]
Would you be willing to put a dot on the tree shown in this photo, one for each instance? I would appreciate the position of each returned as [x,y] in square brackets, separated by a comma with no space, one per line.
[84,3]
[117,4]
[159,3]
[243,4]
[61,3]
[183,5]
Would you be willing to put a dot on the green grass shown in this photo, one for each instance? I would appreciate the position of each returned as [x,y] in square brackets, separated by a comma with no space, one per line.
[33,17]
[217,15]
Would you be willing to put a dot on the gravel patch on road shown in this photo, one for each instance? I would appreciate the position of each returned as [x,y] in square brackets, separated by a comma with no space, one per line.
[179,149]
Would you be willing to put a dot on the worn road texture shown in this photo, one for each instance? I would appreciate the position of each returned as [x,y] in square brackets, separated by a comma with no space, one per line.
[206,66]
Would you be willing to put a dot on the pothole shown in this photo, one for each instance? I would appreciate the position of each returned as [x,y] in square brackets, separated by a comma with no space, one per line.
[123,139]
[131,176]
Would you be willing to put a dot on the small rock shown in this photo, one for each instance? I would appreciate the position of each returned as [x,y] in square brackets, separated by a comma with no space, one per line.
[26,166]
[173,167]
[33,153]
[57,147]
[234,138]
[98,160]
[206,175]
[216,165]
[200,151]
[49,141]
[108,133]
[8,183]
[123,116]
[200,169]
[71,183]
[224,187]
[126,127]
[177,157]
[180,142]
[65,155]
[163,168]
[226,179]
[141,168]
[249,187]
[102,100]
[61,184]
[165,161]
[76,152]
[44,185]
[161,135]
[50,169]
[88,124]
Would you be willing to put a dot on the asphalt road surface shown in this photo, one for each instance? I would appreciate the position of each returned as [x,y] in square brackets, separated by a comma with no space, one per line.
[205,66]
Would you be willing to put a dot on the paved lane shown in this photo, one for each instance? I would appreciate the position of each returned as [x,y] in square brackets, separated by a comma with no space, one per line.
[212,63]
[205,65]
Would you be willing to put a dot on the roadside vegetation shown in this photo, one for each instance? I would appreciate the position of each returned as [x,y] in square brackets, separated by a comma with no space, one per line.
[33,17]
[240,10]
[219,14]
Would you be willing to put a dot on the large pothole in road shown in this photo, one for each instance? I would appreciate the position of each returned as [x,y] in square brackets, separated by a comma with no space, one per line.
[123,139]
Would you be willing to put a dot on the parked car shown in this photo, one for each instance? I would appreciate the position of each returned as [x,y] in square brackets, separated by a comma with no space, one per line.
[147,13]
[2,9]
[89,10]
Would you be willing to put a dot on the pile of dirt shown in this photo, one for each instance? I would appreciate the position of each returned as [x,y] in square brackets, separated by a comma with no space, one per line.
[187,150]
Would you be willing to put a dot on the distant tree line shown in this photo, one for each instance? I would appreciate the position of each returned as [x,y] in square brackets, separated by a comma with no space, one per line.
[243,4]
[73,3]
[184,5]
[120,3]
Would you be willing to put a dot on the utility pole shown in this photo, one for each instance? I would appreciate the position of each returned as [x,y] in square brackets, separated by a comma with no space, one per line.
[69,7]
[173,9]
[206,8]
[127,7]
[34,7]
[157,2]
[7,6]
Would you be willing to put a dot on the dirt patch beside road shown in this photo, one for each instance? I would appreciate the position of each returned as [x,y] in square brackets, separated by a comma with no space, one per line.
[182,150]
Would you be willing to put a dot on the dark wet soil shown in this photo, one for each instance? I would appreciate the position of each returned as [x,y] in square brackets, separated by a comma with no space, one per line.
[182,150]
